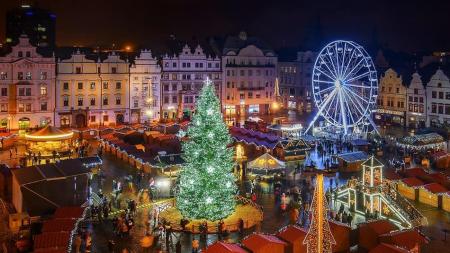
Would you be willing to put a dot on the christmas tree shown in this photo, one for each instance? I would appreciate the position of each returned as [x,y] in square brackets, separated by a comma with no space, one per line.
[319,238]
[207,186]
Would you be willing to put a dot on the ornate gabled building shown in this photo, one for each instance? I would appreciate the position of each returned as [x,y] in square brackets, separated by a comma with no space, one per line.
[145,75]
[438,99]
[182,79]
[250,70]
[391,99]
[92,92]
[27,84]
[416,114]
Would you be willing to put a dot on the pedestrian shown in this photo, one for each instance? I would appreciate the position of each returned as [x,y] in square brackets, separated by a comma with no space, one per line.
[195,245]
[77,243]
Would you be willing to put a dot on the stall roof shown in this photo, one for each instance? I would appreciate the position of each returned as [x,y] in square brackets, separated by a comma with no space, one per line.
[379,227]
[53,225]
[49,133]
[252,137]
[254,242]
[266,161]
[406,238]
[412,182]
[168,160]
[421,139]
[388,248]
[292,233]
[360,142]
[52,240]
[68,212]
[373,162]
[415,172]
[353,156]
[223,247]
[435,188]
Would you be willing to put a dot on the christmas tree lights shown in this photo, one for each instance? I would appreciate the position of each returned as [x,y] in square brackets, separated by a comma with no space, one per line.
[319,238]
[207,186]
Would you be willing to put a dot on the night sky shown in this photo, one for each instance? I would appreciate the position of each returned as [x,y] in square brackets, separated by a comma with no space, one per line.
[400,25]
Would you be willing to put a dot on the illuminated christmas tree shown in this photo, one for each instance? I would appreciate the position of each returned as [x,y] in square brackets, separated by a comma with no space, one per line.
[319,238]
[207,186]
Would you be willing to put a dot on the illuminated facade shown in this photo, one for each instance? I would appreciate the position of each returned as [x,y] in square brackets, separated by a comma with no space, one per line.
[305,60]
[250,70]
[27,85]
[391,100]
[91,92]
[438,97]
[416,115]
[145,75]
[182,79]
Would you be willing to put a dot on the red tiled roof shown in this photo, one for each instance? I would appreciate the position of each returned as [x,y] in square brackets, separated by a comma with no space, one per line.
[223,247]
[380,226]
[414,172]
[439,178]
[58,225]
[52,240]
[387,248]
[435,188]
[391,175]
[68,212]
[257,241]
[412,182]
[292,233]
[406,238]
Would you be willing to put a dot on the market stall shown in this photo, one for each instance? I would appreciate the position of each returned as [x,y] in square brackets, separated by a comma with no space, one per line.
[446,201]
[261,243]
[408,187]
[431,194]
[351,162]
[441,160]
[291,149]
[265,166]
[294,236]
[422,142]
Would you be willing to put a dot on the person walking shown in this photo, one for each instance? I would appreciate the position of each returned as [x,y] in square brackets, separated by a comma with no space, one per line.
[195,245]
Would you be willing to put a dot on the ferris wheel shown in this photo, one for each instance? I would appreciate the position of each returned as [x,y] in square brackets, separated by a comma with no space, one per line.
[344,85]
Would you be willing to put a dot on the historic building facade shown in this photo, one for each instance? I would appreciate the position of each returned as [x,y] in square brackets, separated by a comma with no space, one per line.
[250,70]
[391,99]
[438,99]
[289,83]
[416,113]
[182,79]
[145,75]
[305,61]
[91,92]
[27,86]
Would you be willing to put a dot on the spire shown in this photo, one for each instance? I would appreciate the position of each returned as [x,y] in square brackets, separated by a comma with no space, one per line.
[277,88]
[319,238]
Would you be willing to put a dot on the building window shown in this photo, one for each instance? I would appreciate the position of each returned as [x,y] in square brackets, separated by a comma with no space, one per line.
[416,91]
[118,100]
[242,95]
[174,64]
[250,94]
[28,77]
[92,101]
[80,86]
[174,99]
[105,101]
[174,87]
[92,85]
[441,95]
[135,103]
[166,100]
[105,85]
[78,70]
[242,72]
[20,54]
[433,94]
[113,70]
[105,118]
[118,85]
[80,101]
[433,108]
[28,107]
[166,87]
[65,101]
[421,99]
[43,75]
[43,90]
[92,118]
[4,107]
[4,92]
[21,108]
[3,75]
[28,54]
[20,75]
[44,106]
[253,108]
[65,86]
[174,76]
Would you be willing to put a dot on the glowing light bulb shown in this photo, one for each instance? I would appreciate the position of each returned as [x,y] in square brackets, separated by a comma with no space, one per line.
[209,200]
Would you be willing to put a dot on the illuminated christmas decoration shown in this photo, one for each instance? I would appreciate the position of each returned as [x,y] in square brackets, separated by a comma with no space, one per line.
[345,86]
[207,186]
[372,196]
[319,238]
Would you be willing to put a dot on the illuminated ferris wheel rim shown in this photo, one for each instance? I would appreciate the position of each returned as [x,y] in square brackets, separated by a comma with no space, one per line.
[344,84]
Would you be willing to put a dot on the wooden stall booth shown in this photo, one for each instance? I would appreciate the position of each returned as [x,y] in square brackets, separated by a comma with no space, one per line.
[431,194]
[294,236]
[446,201]
[351,162]
[409,187]
[262,243]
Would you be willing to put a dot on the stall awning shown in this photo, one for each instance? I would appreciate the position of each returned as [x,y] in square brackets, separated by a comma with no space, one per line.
[266,162]
[49,133]
[353,157]
[421,140]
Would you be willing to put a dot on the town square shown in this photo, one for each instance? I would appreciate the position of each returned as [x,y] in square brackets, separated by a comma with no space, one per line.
[156,127]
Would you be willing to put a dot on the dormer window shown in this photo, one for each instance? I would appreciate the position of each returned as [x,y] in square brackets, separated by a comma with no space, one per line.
[28,77]
[28,54]
[78,70]
[113,70]
[439,85]
[20,54]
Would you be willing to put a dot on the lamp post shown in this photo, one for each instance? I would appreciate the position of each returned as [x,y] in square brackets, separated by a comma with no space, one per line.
[9,123]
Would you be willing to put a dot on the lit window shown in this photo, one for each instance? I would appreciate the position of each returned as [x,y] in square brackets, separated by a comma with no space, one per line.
[43,90]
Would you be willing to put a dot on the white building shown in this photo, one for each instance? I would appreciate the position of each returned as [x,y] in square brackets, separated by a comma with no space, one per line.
[182,79]
[416,115]
[27,85]
[250,70]
[145,75]
[438,99]
[91,92]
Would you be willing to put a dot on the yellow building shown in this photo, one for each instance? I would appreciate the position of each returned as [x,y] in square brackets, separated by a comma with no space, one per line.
[91,91]
[391,99]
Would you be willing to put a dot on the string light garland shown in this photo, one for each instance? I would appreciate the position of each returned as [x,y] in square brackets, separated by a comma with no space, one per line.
[207,185]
